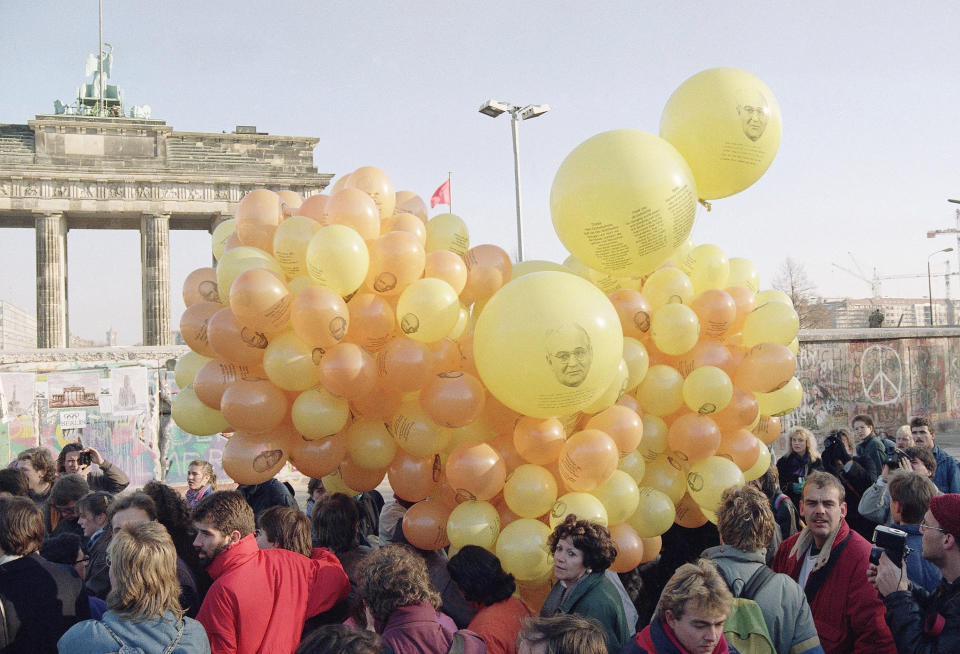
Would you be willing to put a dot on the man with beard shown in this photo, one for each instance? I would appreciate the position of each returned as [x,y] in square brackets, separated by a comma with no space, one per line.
[259,598]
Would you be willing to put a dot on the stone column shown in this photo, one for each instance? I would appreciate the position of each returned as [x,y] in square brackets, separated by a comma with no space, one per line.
[155,278]
[51,232]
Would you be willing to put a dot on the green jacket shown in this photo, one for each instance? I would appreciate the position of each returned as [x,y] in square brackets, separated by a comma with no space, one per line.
[593,596]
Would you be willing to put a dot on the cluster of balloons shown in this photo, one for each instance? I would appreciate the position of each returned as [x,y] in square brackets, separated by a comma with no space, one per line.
[359,340]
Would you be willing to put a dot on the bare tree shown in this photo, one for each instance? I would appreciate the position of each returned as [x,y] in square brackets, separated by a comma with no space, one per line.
[791,278]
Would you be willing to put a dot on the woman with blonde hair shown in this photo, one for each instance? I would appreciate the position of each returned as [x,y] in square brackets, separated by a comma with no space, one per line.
[804,458]
[201,480]
[144,611]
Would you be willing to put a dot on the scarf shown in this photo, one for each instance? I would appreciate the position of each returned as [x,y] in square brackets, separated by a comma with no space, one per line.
[721,648]
[194,496]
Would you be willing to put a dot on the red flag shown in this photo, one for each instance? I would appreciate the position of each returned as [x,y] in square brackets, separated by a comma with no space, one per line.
[441,195]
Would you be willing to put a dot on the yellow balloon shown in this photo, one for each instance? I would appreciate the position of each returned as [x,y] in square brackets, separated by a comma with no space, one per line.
[634,465]
[473,523]
[530,490]
[707,389]
[460,328]
[317,414]
[709,477]
[757,470]
[668,286]
[661,391]
[187,367]
[794,346]
[619,495]
[415,432]
[548,344]
[478,431]
[447,231]
[638,361]
[726,124]
[333,483]
[655,433]
[616,388]
[370,445]
[583,505]
[772,322]
[338,258]
[428,309]
[239,260]
[298,284]
[743,273]
[781,401]
[221,233]
[604,281]
[679,255]
[195,417]
[708,268]
[654,514]
[522,549]
[667,474]
[674,328]
[290,363]
[290,243]
[772,295]
[535,265]
[623,201]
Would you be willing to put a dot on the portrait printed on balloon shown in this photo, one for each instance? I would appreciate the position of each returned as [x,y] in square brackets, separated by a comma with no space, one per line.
[754,112]
[569,354]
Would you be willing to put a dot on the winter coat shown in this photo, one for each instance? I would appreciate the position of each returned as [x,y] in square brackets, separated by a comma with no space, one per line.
[784,606]
[260,598]
[791,469]
[417,629]
[151,636]
[947,475]
[908,610]
[655,640]
[872,452]
[98,572]
[919,571]
[500,623]
[846,609]
[875,503]
[110,478]
[261,497]
[594,596]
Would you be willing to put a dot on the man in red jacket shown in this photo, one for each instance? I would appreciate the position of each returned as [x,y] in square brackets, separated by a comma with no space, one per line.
[830,561]
[259,598]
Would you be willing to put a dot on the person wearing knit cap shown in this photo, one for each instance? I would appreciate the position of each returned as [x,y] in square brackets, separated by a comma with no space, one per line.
[922,622]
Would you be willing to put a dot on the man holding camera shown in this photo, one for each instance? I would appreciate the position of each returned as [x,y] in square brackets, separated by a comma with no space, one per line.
[922,622]
[947,475]
[75,459]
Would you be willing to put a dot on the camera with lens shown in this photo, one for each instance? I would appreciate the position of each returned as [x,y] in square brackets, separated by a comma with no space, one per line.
[893,460]
[833,440]
[893,542]
[84,458]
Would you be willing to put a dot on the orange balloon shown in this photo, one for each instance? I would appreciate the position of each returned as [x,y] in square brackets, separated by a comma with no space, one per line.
[260,300]
[694,436]
[488,268]
[740,412]
[253,404]
[372,321]
[446,355]
[375,183]
[634,311]
[476,470]
[765,368]
[258,215]
[347,370]
[539,440]
[744,300]
[445,265]
[233,241]
[629,547]
[689,514]
[453,398]
[255,457]
[414,478]
[768,429]
[717,312]
[499,416]
[706,353]
[234,342]
[405,365]
[741,447]
[405,222]
[355,209]
[630,402]
[201,286]
[318,457]
[467,361]
[380,403]
[360,479]
[290,201]
[651,548]
[319,316]
[396,260]
[425,525]
[506,515]
[587,460]
[315,207]
[622,425]
[505,447]
[213,378]
[193,327]
[410,202]
[666,473]
[414,431]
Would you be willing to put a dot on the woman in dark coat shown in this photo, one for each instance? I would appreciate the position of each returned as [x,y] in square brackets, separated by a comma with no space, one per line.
[795,467]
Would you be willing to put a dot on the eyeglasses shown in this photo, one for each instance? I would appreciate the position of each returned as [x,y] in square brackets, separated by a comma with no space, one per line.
[924,525]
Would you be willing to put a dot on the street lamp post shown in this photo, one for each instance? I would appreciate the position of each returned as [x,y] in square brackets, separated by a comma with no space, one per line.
[930,283]
[494,108]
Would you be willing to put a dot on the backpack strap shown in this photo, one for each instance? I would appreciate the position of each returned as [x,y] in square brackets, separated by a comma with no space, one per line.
[757,580]
[176,641]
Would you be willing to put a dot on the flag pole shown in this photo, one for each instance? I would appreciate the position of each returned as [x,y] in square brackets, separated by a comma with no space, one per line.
[450,190]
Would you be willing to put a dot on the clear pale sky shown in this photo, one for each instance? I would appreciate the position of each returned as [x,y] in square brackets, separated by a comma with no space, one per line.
[869,94]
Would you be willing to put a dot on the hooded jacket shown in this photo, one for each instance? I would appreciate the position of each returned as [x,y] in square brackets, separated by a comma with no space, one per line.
[594,596]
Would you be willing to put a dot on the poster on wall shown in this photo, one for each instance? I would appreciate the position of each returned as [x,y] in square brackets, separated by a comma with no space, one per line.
[74,389]
[128,390]
[16,395]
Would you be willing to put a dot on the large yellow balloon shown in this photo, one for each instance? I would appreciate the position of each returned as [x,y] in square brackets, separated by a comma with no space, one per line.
[187,367]
[530,491]
[290,243]
[707,389]
[473,523]
[583,505]
[447,231]
[708,478]
[237,261]
[758,469]
[623,201]
[781,401]
[428,309]
[771,322]
[743,273]
[337,257]
[290,363]
[634,465]
[668,286]
[195,417]
[548,344]
[654,514]
[534,265]
[317,414]
[726,124]
[619,495]
[667,474]
[370,445]
[661,391]
[522,549]
[708,267]
[674,328]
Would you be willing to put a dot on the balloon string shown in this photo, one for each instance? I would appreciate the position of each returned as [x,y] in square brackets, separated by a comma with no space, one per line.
[704,203]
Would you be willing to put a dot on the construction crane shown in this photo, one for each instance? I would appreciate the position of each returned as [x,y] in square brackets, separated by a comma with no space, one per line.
[875,280]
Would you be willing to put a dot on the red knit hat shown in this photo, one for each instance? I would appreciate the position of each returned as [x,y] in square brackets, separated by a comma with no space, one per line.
[946,509]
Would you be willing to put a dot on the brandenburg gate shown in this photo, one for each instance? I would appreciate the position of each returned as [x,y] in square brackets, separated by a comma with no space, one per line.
[64,171]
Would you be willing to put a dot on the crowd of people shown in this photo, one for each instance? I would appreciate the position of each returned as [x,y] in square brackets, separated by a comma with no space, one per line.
[88,565]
